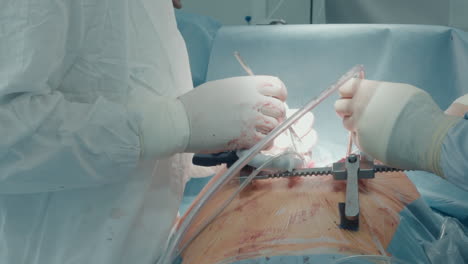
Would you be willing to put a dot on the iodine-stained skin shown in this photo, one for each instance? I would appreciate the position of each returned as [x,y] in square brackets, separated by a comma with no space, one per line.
[299,216]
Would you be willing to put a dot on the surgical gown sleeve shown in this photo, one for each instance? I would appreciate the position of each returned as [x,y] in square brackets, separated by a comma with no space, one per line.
[454,155]
[49,143]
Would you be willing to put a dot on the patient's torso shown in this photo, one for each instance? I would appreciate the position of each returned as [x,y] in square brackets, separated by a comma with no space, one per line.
[299,216]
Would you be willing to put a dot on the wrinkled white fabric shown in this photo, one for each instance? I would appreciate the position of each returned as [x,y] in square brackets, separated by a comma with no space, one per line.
[71,187]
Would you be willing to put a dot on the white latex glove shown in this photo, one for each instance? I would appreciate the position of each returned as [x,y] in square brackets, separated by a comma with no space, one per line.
[233,113]
[395,123]
[284,143]
[459,107]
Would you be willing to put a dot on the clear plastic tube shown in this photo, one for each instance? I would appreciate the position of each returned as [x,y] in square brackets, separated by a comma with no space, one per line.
[173,248]
[233,195]
[248,70]
[359,259]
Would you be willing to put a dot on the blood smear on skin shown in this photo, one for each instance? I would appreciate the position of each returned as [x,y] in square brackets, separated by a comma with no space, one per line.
[251,226]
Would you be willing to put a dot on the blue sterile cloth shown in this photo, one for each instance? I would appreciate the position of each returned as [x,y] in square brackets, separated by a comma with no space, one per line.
[198,32]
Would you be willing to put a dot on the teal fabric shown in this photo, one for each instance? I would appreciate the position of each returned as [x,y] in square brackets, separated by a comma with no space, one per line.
[198,32]
[454,157]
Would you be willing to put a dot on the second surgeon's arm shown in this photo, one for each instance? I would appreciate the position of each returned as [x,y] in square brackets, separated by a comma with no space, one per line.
[80,106]
[402,126]
[48,142]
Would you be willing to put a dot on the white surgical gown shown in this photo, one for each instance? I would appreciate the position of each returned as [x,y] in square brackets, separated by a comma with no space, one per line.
[72,190]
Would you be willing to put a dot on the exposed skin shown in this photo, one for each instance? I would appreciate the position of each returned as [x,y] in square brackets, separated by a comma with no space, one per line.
[299,216]
[177,4]
[457,109]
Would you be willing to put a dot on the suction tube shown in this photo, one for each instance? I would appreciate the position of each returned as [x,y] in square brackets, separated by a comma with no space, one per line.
[172,250]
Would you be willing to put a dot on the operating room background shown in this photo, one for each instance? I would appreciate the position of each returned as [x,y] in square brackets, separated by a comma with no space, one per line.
[453,13]
[431,57]
[230,12]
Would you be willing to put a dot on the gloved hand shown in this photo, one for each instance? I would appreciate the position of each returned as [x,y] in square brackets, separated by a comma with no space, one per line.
[459,107]
[233,113]
[395,123]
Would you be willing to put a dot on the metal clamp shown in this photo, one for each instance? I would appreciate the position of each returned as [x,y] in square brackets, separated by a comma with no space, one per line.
[352,170]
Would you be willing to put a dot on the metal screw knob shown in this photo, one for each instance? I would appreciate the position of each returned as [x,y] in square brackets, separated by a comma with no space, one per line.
[352,158]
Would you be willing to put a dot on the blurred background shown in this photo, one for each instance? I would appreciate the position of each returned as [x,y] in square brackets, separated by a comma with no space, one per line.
[452,13]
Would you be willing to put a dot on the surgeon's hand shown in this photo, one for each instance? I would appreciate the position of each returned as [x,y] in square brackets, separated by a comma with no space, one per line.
[459,107]
[233,113]
[396,123]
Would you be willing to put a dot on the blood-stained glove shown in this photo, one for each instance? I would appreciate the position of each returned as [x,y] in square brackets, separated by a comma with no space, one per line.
[233,113]
[396,123]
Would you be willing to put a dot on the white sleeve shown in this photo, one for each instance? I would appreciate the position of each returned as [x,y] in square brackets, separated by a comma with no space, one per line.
[48,143]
